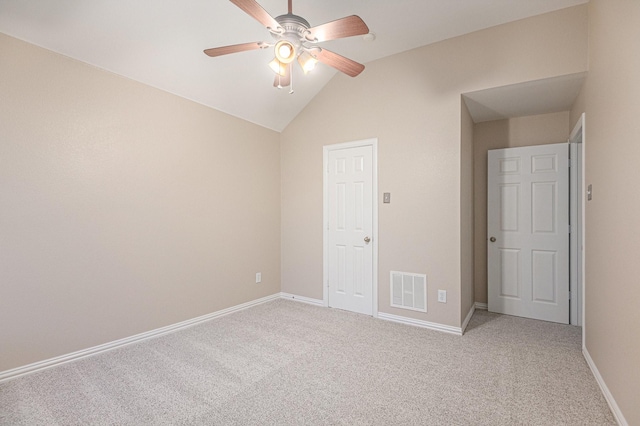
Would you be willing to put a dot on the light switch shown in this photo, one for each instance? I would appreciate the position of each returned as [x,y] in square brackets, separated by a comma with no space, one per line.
[386,198]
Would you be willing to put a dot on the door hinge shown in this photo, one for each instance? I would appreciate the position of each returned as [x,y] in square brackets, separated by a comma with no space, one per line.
[569,226]
[569,295]
[569,162]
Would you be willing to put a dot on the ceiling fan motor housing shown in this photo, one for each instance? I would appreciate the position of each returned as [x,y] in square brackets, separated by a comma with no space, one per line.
[295,29]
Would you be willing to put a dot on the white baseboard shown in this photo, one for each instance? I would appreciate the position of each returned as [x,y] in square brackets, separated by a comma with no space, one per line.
[63,359]
[465,323]
[289,296]
[387,317]
[420,323]
[482,306]
[605,390]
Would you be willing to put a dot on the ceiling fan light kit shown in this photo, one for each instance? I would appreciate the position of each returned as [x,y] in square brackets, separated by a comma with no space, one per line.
[285,51]
[295,38]
[278,67]
[307,62]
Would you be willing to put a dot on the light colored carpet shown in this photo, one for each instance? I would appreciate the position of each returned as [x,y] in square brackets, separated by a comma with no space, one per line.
[287,363]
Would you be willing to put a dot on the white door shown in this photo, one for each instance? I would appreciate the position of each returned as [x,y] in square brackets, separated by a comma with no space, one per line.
[350,229]
[528,232]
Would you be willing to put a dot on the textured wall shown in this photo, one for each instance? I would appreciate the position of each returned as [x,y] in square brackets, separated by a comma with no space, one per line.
[411,103]
[612,242]
[124,208]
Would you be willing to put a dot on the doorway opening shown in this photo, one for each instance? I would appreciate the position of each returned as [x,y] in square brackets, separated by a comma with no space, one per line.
[573,267]
[522,114]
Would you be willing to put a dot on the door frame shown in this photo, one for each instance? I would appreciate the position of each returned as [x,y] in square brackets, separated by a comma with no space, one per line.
[373,142]
[577,215]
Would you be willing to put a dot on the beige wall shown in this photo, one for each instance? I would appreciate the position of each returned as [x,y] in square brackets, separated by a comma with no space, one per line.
[467,296]
[411,103]
[611,99]
[124,208]
[508,133]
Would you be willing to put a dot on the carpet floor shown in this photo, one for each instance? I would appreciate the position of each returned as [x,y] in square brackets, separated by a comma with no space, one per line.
[288,363]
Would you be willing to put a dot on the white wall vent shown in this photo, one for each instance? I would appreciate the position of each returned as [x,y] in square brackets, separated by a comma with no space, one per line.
[409,291]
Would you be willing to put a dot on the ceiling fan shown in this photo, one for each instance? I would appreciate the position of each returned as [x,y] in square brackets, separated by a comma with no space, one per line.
[295,38]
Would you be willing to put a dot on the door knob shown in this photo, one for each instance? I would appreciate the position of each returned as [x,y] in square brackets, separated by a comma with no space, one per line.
[492,239]
[367,239]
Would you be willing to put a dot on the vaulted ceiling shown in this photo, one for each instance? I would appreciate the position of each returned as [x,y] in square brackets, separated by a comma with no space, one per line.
[160,43]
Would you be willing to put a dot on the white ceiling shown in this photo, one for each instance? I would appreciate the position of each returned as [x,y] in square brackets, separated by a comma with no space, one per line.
[160,43]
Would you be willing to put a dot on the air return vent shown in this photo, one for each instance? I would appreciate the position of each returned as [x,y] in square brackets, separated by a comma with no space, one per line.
[409,291]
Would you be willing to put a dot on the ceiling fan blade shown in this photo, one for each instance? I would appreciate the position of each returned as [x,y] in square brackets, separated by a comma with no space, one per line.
[284,80]
[345,65]
[346,27]
[225,50]
[253,9]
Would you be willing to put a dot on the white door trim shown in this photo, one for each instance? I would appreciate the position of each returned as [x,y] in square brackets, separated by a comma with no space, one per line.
[578,136]
[325,216]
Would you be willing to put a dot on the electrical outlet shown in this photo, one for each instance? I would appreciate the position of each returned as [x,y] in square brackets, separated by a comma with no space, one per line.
[442,296]
[258,277]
